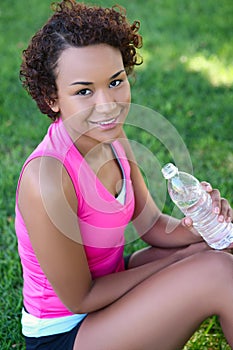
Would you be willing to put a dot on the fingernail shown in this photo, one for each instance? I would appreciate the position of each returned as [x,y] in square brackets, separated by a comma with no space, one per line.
[187,222]
[221,218]
[216,210]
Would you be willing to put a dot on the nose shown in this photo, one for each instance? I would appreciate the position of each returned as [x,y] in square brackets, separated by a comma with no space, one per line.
[105,108]
[104,103]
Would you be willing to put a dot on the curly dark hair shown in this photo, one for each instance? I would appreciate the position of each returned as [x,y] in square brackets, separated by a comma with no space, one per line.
[75,25]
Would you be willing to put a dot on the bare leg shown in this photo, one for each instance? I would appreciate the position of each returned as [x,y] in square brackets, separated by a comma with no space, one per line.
[165,310]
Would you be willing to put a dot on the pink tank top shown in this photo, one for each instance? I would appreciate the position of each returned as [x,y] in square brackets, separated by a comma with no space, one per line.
[102,221]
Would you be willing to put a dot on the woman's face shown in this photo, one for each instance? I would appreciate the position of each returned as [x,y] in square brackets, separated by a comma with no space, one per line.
[93,92]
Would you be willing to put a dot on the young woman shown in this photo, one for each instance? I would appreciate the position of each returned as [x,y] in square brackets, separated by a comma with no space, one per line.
[80,188]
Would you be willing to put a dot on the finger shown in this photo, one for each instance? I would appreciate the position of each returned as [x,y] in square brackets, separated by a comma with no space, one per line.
[206,186]
[229,216]
[216,201]
[187,222]
[224,210]
[225,213]
[215,196]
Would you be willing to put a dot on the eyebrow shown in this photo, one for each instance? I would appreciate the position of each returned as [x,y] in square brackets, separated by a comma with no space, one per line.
[90,83]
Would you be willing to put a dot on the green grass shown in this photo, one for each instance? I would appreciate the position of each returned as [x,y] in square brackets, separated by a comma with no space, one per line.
[187,77]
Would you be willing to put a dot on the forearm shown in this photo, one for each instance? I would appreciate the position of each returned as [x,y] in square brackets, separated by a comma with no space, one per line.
[107,289]
[168,232]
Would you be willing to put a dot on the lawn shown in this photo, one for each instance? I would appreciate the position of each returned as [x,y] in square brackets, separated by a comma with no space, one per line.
[187,77]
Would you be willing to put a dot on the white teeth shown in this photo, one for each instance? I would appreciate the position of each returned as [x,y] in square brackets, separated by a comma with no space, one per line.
[107,122]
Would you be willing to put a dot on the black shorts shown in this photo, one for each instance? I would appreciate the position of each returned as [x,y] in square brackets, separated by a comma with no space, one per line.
[61,341]
[126,261]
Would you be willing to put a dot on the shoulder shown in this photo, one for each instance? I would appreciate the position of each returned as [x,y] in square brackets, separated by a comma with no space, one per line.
[43,179]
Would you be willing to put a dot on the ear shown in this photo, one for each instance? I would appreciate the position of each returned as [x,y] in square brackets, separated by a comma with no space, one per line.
[54,105]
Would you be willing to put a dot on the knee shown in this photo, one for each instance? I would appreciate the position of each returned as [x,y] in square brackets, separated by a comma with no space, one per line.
[218,263]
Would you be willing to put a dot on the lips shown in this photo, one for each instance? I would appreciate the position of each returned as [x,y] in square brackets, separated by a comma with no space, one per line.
[105,122]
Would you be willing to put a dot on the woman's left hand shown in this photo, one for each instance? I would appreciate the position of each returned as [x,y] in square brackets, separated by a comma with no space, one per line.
[220,205]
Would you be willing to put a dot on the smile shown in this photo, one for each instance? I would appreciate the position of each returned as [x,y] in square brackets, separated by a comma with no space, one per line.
[105,122]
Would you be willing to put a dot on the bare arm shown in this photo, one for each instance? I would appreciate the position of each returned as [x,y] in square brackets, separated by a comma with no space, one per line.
[162,230]
[155,228]
[48,204]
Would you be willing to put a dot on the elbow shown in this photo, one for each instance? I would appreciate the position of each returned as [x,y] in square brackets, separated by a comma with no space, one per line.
[79,301]
[77,308]
[83,306]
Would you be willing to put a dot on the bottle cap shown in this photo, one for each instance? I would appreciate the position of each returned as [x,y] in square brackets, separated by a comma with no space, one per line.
[169,170]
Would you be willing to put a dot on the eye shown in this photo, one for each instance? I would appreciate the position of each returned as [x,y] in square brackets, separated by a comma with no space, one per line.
[83,92]
[115,83]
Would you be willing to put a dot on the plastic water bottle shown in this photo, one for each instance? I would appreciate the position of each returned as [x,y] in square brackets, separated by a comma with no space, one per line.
[187,193]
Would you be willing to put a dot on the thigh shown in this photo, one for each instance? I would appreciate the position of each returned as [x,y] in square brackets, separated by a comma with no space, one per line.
[163,311]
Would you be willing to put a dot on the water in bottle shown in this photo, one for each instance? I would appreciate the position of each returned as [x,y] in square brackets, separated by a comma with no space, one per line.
[187,193]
